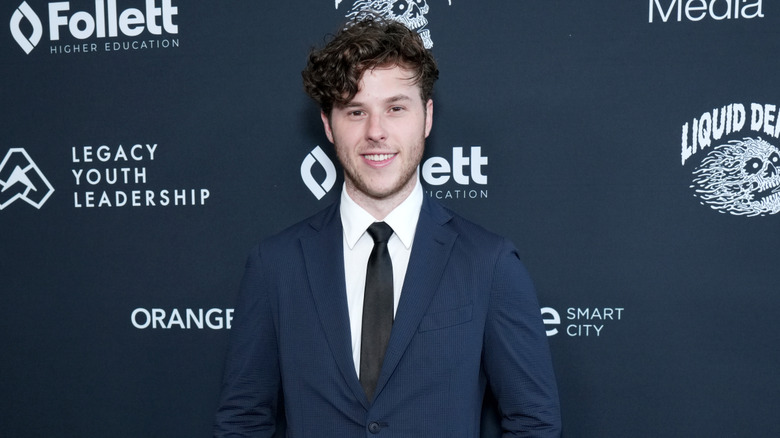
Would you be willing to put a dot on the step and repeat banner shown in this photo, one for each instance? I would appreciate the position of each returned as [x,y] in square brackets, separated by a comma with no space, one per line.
[628,148]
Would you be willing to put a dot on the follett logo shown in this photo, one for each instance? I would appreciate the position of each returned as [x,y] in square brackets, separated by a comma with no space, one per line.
[81,30]
[318,189]
[20,178]
[24,12]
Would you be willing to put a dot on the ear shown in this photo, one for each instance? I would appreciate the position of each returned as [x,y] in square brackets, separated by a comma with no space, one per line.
[428,117]
[326,125]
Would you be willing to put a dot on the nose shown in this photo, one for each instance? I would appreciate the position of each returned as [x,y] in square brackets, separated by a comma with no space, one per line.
[376,130]
[415,11]
[770,171]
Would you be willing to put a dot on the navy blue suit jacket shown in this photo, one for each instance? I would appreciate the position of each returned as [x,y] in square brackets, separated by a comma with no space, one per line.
[468,316]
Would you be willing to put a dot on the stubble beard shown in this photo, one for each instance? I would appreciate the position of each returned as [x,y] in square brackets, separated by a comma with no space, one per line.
[359,185]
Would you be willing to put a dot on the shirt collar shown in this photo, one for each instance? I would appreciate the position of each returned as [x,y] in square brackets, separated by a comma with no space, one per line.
[403,219]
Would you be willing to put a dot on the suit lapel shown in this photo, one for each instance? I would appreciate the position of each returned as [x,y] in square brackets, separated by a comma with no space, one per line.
[324,257]
[433,243]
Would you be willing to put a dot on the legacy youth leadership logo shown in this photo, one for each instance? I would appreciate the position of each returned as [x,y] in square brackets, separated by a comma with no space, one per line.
[20,178]
[738,176]
[409,12]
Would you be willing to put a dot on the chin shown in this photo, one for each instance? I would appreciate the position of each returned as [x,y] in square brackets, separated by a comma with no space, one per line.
[380,192]
[382,188]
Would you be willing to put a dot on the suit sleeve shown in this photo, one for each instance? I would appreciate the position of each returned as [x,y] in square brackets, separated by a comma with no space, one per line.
[251,382]
[516,354]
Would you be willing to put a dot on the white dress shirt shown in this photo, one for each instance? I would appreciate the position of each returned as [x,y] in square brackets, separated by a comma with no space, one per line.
[357,248]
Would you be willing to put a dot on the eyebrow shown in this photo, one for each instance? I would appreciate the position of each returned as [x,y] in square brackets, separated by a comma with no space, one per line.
[392,99]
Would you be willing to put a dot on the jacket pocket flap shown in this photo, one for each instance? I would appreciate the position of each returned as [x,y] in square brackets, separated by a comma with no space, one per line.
[447,318]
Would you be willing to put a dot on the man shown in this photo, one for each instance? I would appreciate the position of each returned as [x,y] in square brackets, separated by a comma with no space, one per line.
[361,335]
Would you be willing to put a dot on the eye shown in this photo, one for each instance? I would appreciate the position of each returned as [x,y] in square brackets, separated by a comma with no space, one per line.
[753,165]
[400,7]
[774,159]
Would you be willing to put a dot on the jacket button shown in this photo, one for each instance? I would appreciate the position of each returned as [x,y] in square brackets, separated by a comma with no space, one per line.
[374,427]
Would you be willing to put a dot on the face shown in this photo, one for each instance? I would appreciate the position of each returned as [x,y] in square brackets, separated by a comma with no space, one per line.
[379,136]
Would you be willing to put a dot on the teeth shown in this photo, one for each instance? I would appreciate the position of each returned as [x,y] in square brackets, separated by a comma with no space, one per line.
[378,157]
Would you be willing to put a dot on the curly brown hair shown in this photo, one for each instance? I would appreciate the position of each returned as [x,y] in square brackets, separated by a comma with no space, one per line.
[332,74]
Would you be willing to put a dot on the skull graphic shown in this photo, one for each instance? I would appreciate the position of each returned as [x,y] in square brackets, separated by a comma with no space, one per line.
[409,12]
[741,178]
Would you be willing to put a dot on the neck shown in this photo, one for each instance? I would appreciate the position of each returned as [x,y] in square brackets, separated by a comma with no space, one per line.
[380,207]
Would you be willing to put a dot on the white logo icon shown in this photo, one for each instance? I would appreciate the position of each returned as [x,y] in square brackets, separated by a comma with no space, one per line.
[21,179]
[411,13]
[26,43]
[318,189]
[741,178]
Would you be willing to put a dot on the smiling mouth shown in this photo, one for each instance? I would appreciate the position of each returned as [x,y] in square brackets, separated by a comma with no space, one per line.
[761,194]
[378,157]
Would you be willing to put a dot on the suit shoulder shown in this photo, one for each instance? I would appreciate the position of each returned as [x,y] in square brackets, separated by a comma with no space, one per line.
[472,235]
[468,228]
[283,240]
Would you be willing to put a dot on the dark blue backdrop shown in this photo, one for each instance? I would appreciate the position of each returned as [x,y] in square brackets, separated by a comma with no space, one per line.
[119,264]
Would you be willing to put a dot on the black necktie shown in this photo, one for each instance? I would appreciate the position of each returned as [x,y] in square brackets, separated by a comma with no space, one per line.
[377,308]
